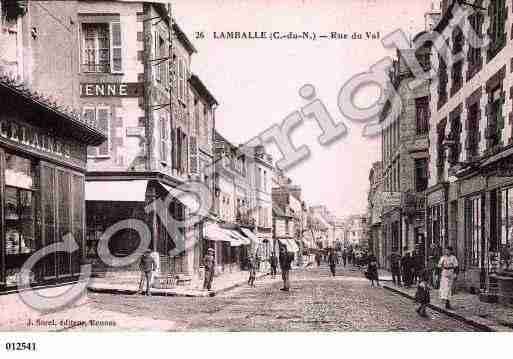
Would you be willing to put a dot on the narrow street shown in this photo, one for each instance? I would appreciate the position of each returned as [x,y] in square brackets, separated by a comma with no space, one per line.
[316,302]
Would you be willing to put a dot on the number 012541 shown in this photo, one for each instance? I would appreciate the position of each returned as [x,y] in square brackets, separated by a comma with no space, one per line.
[19,346]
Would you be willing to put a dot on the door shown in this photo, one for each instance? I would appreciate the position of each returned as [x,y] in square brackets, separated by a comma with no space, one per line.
[2,226]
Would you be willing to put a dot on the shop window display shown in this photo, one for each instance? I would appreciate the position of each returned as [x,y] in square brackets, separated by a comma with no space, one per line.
[505,244]
[20,213]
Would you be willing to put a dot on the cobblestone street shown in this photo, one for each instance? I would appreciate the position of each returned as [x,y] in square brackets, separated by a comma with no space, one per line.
[316,302]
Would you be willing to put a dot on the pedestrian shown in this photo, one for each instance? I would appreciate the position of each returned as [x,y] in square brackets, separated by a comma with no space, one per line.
[252,270]
[344,257]
[423,296]
[209,263]
[372,269]
[434,258]
[332,260]
[147,266]
[258,261]
[418,266]
[449,267]
[285,265]
[318,259]
[395,267]
[274,264]
[406,267]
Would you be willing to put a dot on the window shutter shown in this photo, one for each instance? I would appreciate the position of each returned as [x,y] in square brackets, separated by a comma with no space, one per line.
[103,123]
[179,149]
[163,140]
[116,47]
[185,156]
[173,149]
[194,155]
[89,117]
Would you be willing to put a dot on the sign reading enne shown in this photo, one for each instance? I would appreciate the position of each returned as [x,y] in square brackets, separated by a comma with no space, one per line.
[111,89]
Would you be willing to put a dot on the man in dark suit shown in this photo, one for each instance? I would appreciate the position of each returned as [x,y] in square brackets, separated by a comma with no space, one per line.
[147,265]
[285,264]
[209,263]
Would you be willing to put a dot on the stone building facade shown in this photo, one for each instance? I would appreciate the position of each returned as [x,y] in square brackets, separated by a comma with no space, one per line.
[470,145]
[405,155]
[43,147]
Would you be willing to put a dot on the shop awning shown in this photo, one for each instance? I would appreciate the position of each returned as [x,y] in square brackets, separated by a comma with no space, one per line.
[215,233]
[116,191]
[237,239]
[290,244]
[188,199]
[243,239]
[252,237]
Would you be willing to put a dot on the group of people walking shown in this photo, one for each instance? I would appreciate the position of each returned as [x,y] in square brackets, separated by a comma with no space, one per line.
[406,269]
[285,261]
[448,267]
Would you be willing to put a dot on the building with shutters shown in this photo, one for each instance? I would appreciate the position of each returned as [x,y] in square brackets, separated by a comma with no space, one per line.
[470,134]
[405,150]
[135,82]
[375,207]
[43,147]
[241,226]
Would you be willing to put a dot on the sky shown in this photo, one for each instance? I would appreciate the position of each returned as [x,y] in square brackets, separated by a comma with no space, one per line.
[256,82]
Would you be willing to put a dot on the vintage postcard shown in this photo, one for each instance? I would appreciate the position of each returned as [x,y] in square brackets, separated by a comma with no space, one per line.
[255,166]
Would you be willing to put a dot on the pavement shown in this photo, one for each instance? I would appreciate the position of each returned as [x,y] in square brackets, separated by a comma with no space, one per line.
[128,283]
[316,302]
[492,317]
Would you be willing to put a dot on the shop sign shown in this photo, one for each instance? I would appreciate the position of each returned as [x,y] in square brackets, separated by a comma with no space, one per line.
[504,170]
[391,199]
[34,138]
[135,131]
[112,89]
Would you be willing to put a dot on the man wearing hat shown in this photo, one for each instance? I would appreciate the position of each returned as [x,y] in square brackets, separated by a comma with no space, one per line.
[209,263]
[147,265]
[285,264]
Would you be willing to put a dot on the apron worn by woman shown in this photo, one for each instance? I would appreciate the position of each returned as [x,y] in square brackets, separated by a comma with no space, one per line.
[448,265]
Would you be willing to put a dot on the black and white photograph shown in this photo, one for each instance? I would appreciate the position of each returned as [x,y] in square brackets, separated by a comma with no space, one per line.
[288,166]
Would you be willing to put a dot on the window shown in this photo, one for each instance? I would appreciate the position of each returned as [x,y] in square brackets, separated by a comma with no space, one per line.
[457,77]
[160,64]
[19,205]
[495,120]
[164,139]
[505,208]
[436,225]
[259,179]
[472,142]
[442,81]
[100,116]
[102,47]
[182,79]
[422,115]
[473,228]
[454,140]
[496,31]
[458,41]
[265,181]
[440,159]
[474,53]
[421,174]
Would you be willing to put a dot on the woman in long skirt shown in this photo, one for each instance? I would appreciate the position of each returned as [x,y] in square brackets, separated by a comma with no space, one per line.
[448,265]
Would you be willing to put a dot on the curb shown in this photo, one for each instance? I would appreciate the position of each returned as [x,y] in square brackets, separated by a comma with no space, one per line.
[163,294]
[452,314]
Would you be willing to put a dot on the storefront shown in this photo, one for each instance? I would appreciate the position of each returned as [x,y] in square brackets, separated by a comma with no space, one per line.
[392,233]
[436,223]
[113,199]
[42,169]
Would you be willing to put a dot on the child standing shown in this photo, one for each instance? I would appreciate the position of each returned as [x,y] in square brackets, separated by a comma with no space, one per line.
[423,296]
